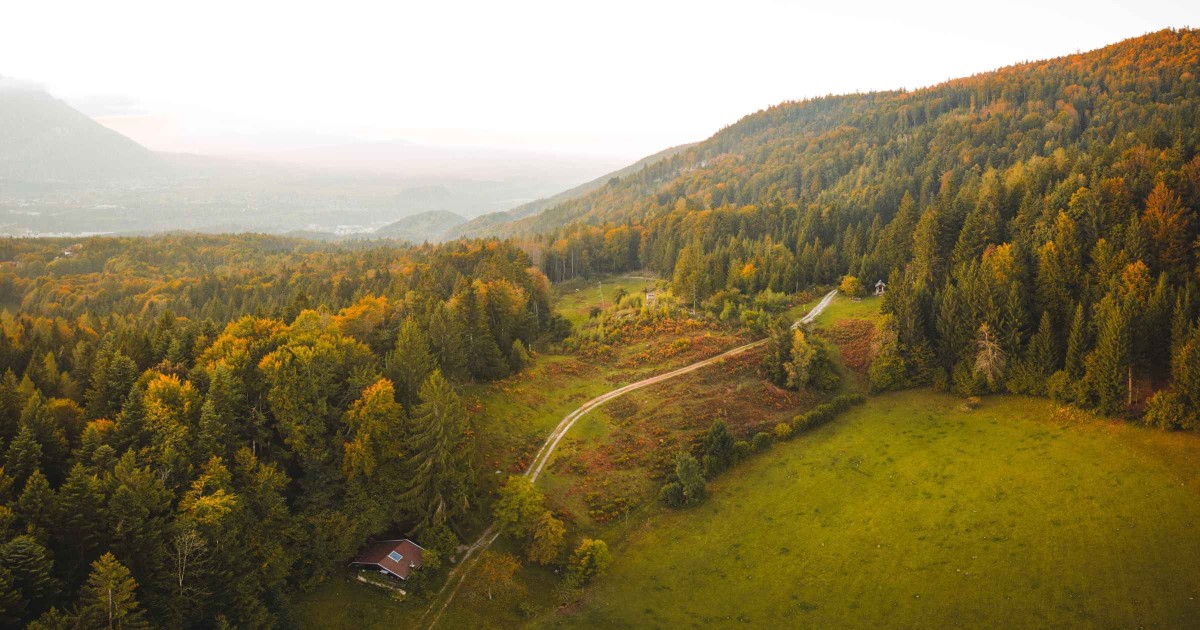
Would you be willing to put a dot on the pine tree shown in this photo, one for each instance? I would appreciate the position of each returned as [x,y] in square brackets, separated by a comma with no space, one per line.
[23,458]
[1166,225]
[109,599]
[439,455]
[717,448]
[131,432]
[219,413]
[1077,344]
[778,354]
[37,508]
[32,573]
[483,357]
[1106,365]
[927,258]
[36,415]
[113,374]
[80,523]
[445,336]
[10,407]
[1042,357]
[409,363]
[1185,371]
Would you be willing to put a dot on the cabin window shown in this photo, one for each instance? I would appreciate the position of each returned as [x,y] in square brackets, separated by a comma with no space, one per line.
[395,556]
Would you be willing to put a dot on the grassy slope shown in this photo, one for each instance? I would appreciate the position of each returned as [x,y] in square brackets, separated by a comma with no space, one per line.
[912,512]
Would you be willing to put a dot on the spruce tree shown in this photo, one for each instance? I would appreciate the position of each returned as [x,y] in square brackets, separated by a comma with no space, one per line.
[10,407]
[32,573]
[446,342]
[1106,365]
[36,507]
[24,456]
[439,460]
[1042,357]
[1077,344]
[409,363]
[79,525]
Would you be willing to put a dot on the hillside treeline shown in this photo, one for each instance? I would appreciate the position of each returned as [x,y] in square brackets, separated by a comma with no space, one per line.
[193,427]
[1036,225]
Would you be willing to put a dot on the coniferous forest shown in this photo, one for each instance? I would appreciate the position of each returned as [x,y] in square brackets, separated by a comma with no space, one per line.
[1039,221]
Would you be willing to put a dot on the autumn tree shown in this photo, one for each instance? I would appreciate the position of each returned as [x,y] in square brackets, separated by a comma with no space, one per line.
[589,561]
[109,598]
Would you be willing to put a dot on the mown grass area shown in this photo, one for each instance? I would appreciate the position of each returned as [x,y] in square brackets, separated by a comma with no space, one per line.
[843,307]
[912,511]
[343,603]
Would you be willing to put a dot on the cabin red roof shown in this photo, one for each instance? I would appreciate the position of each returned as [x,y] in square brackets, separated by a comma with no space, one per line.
[398,557]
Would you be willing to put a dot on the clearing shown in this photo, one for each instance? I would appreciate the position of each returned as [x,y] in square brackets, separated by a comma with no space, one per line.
[913,511]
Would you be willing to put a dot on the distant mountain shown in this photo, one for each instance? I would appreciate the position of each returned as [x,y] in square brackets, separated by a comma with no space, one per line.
[500,223]
[426,226]
[44,139]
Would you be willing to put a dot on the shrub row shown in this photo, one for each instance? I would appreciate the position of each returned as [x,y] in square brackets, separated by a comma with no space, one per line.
[821,414]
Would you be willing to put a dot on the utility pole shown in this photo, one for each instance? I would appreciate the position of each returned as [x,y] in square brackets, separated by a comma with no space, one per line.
[601,283]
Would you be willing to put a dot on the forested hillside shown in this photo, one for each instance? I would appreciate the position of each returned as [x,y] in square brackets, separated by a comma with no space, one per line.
[194,427]
[1036,225]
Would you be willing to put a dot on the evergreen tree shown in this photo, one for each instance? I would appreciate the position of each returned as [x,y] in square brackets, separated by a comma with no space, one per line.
[439,458]
[10,407]
[778,354]
[1077,344]
[409,363]
[32,574]
[717,449]
[1106,365]
[483,358]
[446,337]
[79,525]
[36,507]
[24,457]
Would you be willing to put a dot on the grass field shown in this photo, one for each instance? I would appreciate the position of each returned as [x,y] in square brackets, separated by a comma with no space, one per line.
[576,298]
[913,512]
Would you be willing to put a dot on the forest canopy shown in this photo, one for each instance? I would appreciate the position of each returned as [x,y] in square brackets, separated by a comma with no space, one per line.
[215,421]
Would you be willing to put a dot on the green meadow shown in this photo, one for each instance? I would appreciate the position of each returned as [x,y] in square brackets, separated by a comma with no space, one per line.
[915,511]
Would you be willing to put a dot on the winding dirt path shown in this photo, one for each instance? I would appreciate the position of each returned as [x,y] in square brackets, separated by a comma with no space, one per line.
[471,557]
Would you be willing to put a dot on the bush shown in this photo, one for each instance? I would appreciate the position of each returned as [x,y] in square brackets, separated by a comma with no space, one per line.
[686,487]
[671,494]
[783,431]
[887,372]
[1166,410]
[1060,387]
[741,450]
[762,439]
[824,413]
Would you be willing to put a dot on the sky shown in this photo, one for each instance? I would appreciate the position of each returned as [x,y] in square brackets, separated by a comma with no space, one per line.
[614,78]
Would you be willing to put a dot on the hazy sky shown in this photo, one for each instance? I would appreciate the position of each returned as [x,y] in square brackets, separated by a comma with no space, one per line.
[614,78]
